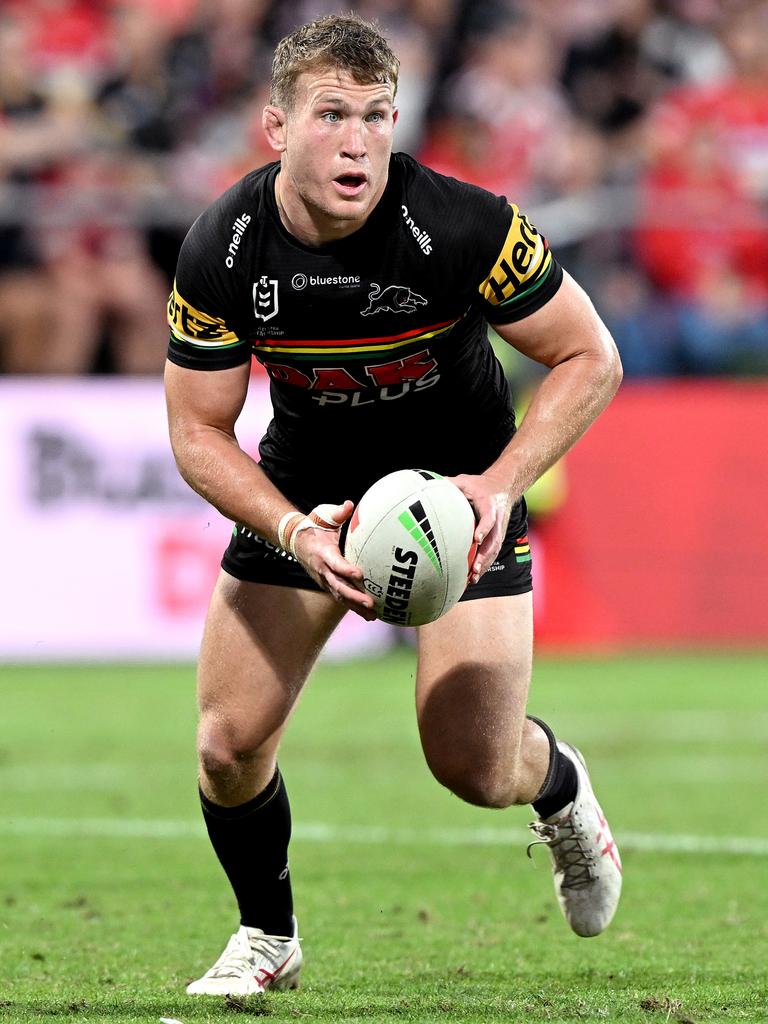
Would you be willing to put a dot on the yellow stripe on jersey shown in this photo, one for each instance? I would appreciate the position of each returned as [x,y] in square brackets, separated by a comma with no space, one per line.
[523,262]
[190,325]
[358,348]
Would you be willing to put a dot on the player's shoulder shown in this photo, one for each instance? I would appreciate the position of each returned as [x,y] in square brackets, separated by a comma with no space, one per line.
[206,306]
[223,226]
[459,206]
[484,240]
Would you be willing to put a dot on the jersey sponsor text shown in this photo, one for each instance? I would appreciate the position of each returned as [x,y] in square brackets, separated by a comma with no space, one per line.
[238,229]
[195,328]
[422,237]
[339,384]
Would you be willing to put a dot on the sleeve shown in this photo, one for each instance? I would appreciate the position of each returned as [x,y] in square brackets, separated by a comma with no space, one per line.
[524,276]
[202,310]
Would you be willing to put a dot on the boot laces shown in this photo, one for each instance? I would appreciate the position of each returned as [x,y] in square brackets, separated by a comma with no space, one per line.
[569,855]
[240,954]
[235,961]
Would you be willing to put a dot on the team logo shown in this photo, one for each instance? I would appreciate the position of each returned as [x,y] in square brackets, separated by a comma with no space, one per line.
[265,298]
[395,298]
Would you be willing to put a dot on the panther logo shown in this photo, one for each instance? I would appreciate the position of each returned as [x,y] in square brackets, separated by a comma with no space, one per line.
[395,298]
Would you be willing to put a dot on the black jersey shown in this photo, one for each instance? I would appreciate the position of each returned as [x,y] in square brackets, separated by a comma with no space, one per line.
[376,345]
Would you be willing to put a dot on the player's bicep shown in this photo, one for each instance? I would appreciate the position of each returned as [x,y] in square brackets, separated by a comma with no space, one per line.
[566,326]
[199,400]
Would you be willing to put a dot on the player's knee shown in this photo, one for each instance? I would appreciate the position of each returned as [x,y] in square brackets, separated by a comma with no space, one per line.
[225,752]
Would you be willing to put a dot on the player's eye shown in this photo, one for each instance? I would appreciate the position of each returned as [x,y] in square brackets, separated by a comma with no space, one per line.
[331,116]
[376,117]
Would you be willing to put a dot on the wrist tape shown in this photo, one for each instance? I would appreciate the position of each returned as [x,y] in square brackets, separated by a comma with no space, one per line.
[292,523]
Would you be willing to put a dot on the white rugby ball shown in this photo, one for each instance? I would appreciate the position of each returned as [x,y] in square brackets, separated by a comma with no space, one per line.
[411,534]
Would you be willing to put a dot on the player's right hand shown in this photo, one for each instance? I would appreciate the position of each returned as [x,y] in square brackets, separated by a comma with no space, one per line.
[317,548]
[492,502]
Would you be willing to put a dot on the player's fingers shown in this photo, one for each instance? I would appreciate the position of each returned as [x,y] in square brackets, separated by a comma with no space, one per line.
[364,613]
[485,555]
[357,600]
[339,566]
[332,515]
[333,570]
[487,516]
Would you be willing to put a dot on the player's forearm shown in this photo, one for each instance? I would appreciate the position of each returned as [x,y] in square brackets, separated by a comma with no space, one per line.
[568,400]
[213,464]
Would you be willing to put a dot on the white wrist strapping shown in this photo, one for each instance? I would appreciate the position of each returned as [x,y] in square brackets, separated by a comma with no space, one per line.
[292,523]
[281,539]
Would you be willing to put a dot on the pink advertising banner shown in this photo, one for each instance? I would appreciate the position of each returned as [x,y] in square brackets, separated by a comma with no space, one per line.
[106,553]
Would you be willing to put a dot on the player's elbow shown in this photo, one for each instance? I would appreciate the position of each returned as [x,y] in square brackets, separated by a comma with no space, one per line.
[182,445]
[614,370]
[608,369]
[190,440]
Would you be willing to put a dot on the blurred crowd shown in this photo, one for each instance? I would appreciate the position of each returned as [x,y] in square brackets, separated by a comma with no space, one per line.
[634,132]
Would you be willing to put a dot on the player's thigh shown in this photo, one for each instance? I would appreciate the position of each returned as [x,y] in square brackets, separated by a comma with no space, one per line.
[474,671]
[259,645]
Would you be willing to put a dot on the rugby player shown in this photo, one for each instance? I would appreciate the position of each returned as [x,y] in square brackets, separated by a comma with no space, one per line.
[364,282]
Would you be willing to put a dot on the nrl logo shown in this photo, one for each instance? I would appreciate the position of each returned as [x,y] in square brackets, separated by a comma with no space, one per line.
[265,298]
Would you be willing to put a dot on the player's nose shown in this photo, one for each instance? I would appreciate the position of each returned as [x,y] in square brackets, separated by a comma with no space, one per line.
[353,141]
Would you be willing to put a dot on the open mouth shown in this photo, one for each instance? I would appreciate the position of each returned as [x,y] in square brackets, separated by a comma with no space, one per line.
[350,184]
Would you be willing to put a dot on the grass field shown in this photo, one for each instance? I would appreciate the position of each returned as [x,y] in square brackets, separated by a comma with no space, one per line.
[413,906]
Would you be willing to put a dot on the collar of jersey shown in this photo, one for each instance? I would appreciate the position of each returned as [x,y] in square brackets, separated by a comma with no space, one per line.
[380,215]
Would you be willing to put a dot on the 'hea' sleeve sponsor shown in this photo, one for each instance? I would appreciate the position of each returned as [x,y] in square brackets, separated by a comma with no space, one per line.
[524,276]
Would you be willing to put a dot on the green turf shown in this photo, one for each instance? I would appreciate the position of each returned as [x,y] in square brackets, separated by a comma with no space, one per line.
[99,921]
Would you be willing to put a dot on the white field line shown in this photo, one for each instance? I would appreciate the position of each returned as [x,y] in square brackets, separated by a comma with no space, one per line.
[371,835]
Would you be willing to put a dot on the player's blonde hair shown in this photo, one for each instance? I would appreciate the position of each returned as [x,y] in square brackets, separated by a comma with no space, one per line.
[345,42]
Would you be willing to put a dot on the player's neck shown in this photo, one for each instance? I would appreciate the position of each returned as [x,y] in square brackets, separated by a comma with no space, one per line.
[309,224]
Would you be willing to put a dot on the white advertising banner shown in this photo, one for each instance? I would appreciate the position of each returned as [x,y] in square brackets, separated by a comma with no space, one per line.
[105,552]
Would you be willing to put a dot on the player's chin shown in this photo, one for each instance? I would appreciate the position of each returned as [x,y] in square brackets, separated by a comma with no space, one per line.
[347,203]
[350,211]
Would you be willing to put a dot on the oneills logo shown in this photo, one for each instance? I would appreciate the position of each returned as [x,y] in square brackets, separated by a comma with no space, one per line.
[265,298]
[423,239]
[238,229]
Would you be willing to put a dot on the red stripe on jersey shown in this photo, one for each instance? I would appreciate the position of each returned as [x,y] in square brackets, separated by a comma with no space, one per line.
[335,342]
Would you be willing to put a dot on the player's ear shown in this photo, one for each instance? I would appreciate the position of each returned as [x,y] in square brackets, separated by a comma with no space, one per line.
[395,112]
[273,121]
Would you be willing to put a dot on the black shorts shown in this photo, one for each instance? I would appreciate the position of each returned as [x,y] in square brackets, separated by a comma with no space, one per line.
[250,557]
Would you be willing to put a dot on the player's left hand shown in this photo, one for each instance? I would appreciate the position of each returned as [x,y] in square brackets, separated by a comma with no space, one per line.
[492,503]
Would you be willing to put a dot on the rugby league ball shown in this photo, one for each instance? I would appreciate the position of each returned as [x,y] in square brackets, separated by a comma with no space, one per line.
[411,534]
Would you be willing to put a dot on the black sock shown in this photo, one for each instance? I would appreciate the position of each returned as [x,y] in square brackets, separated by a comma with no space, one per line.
[561,782]
[251,842]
